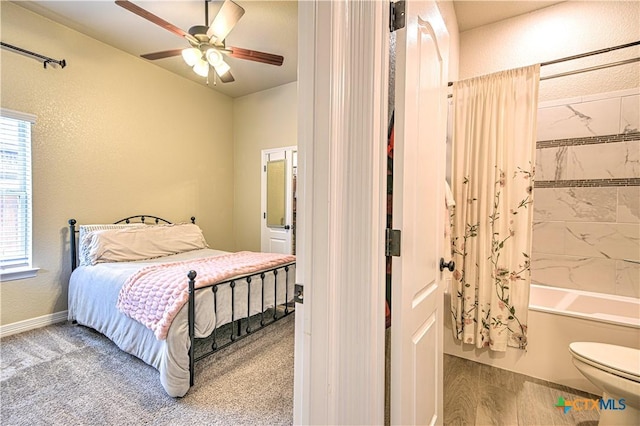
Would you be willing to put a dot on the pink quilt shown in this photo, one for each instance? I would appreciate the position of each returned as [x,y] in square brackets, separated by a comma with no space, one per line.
[155,294]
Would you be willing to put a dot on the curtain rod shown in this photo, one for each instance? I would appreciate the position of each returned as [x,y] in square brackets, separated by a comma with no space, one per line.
[584,55]
[593,52]
[593,68]
[46,59]
[596,67]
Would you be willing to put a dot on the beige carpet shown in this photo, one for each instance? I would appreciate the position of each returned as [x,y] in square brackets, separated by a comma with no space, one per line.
[66,374]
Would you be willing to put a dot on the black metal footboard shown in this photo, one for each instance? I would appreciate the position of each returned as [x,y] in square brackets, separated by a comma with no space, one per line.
[236,331]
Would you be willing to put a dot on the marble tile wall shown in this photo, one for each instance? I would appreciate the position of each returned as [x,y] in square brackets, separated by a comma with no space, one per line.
[587,194]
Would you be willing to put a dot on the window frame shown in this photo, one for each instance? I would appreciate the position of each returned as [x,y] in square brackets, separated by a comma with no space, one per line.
[24,269]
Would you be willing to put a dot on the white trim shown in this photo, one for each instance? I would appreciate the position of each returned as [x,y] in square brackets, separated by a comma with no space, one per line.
[33,323]
[284,148]
[302,401]
[342,179]
[18,115]
[18,274]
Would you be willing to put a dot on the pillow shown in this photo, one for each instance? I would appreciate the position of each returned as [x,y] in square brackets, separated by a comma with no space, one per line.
[86,230]
[147,242]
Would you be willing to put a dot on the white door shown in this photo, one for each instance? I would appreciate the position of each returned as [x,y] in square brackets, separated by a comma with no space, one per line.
[277,217]
[418,211]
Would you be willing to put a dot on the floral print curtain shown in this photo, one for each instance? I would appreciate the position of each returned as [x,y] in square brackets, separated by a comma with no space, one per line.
[494,135]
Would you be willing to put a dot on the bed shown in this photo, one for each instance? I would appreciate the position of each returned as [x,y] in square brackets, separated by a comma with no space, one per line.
[111,262]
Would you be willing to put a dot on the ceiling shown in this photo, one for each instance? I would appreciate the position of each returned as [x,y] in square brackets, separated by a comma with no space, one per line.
[267,26]
[471,14]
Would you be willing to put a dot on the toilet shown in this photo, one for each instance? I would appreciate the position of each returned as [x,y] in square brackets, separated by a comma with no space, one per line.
[615,370]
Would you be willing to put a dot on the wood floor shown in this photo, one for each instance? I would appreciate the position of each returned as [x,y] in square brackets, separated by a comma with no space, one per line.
[478,394]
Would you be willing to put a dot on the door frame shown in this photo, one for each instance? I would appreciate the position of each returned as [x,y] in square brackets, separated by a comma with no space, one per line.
[342,128]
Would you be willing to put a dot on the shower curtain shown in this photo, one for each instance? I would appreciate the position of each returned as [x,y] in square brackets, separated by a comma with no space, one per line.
[494,135]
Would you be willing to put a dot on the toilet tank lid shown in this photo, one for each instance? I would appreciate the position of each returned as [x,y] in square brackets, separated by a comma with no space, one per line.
[620,358]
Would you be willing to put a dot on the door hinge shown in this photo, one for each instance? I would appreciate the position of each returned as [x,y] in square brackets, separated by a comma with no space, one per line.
[392,241]
[396,15]
[298,293]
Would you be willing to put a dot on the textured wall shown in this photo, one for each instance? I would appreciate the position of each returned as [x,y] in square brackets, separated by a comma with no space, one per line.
[114,136]
[262,120]
[558,31]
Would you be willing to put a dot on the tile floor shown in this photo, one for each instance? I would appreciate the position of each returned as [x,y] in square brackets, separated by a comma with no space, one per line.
[478,394]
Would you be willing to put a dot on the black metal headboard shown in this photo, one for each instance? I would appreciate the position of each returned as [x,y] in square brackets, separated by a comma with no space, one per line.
[139,218]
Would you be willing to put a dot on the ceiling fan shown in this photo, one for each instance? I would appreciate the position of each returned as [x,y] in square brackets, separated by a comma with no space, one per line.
[207,43]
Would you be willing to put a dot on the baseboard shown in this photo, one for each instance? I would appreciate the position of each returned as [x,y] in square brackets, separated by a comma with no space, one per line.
[33,323]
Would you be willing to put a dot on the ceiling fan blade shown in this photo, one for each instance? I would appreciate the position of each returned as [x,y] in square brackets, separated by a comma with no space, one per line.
[152,18]
[226,77]
[254,55]
[163,54]
[227,17]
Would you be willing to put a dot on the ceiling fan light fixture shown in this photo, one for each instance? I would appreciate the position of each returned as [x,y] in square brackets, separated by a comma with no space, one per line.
[201,68]
[214,57]
[207,43]
[191,56]
[222,68]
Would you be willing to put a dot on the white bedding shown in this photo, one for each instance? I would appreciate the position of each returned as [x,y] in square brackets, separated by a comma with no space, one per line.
[93,293]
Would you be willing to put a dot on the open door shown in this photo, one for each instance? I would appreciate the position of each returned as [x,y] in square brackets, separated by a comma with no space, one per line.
[418,212]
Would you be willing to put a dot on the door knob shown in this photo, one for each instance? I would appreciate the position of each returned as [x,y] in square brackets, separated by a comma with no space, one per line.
[451,265]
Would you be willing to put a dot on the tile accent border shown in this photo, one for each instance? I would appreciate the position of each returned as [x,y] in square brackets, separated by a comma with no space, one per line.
[587,183]
[620,137]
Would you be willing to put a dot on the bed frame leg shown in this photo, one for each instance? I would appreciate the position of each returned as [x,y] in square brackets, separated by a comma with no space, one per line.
[192,324]
[72,243]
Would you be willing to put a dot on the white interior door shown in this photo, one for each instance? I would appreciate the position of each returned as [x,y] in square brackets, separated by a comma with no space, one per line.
[418,211]
[277,221]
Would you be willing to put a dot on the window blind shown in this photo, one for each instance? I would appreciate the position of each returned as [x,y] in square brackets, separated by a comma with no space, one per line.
[15,189]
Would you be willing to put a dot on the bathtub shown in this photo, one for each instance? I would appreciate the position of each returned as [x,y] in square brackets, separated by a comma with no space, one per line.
[616,310]
[558,317]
